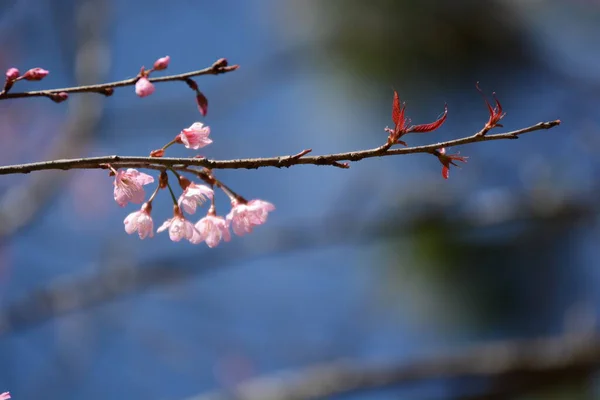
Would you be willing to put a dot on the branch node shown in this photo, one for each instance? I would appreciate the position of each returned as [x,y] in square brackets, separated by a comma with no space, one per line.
[301,154]
[345,165]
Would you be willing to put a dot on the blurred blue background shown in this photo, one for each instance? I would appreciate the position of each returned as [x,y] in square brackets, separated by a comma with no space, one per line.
[380,263]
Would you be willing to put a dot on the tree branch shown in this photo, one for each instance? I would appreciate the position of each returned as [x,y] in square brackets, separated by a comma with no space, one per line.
[520,358]
[254,163]
[219,67]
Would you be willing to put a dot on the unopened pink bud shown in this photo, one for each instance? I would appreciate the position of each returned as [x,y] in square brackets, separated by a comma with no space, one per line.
[35,74]
[202,102]
[162,63]
[143,87]
[12,74]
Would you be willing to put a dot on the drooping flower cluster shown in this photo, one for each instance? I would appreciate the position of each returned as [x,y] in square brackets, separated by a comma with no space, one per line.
[211,229]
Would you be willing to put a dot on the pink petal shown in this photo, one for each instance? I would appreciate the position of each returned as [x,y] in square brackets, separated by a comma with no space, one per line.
[164,226]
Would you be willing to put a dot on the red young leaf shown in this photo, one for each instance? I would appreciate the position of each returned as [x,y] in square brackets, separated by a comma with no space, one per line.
[432,126]
[396,111]
[496,113]
[487,103]
[448,159]
[498,109]
[445,172]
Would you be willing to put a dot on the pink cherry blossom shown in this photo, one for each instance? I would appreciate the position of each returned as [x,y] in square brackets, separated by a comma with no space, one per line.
[143,87]
[140,221]
[179,227]
[128,186]
[162,63]
[35,74]
[12,74]
[196,136]
[5,396]
[194,195]
[244,216]
[211,229]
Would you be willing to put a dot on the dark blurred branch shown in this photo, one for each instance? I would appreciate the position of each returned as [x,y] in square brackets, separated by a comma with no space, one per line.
[551,358]
[31,195]
[253,163]
[118,278]
[219,67]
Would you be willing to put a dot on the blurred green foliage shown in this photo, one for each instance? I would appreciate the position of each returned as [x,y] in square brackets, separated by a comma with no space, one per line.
[391,38]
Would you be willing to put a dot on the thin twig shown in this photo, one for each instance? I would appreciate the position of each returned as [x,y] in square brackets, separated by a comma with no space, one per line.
[254,163]
[219,67]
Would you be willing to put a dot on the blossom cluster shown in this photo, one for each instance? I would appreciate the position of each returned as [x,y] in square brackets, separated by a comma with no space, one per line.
[211,229]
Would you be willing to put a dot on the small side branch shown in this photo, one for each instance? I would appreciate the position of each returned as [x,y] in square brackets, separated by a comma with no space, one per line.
[219,67]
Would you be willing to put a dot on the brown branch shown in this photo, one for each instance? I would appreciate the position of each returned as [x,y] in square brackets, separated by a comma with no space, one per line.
[521,358]
[219,67]
[253,163]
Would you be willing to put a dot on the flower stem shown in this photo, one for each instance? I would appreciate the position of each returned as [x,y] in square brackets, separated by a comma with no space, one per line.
[171,143]
[172,194]
[154,194]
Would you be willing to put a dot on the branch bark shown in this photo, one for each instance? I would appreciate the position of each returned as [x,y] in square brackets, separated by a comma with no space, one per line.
[254,163]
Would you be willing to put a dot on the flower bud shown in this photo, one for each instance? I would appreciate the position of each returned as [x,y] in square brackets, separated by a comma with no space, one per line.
[12,74]
[35,74]
[143,87]
[202,103]
[162,63]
